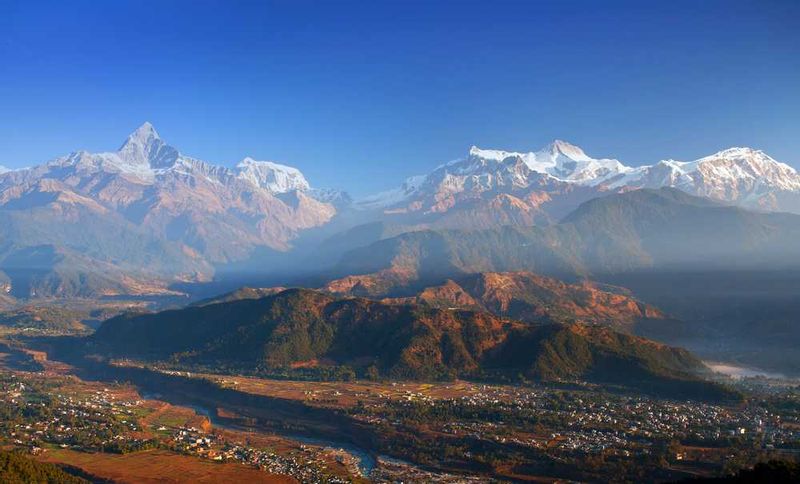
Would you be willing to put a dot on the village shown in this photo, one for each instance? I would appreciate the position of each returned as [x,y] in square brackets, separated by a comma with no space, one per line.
[42,412]
[586,422]
[36,418]
[310,465]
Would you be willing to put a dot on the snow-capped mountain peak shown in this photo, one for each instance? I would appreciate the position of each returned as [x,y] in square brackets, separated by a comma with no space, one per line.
[748,155]
[186,214]
[570,163]
[145,158]
[550,152]
[144,135]
[740,175]
[275,177]
[495,155]
[144,148]
[476,153]
[560,160]
[562,148]
[746,167]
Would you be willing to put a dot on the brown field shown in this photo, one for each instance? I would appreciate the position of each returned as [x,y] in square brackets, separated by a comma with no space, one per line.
[173,417]
[50,367]
[341,394]
[152,414]
[160,466]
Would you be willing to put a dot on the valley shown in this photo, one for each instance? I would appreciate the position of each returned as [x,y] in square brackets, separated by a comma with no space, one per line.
[347,431]
[399,242]
[595,349]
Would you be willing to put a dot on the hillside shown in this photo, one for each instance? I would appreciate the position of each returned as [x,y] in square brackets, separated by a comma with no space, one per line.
[66,245]
[45,318]
[533,298]
[668,229]
[300,327]
[523,296]
[645,229]
[239,294]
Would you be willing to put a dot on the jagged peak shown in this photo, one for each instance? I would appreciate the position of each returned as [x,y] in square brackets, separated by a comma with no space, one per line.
[144,147]
[496,155]
[551,151]
[745,153]
[737,152]
[144,135]
[275,177]
[567,149]
[249,161]
[484,153]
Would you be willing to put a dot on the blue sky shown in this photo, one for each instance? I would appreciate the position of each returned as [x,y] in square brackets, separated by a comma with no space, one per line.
[359,95]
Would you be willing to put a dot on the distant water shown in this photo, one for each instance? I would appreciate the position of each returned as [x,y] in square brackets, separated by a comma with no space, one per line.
[366,462]
[741,371]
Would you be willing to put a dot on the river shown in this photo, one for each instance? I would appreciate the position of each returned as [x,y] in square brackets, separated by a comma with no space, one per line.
[366,461]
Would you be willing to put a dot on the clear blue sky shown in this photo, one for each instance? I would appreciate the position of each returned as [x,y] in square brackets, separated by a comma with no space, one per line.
[359,95]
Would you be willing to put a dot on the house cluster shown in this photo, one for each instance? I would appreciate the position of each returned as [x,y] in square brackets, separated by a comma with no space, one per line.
[89,421]
[307,465]
[588,422]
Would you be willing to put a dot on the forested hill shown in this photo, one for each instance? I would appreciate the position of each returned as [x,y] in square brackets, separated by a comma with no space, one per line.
[300,327]
[17,468]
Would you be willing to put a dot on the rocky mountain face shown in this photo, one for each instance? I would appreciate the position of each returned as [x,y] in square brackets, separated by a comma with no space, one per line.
[491,186]
[133,220]
[533,298]
[523,296]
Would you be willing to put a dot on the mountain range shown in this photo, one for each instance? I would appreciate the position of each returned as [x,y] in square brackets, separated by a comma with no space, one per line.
[524,296]
[143,218]
[652,230]
[134,220]
[742,176]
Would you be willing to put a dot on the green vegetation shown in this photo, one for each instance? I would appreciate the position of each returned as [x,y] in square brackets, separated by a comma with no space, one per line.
[16,468]
[52,319]
[302,331]
[29,407]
